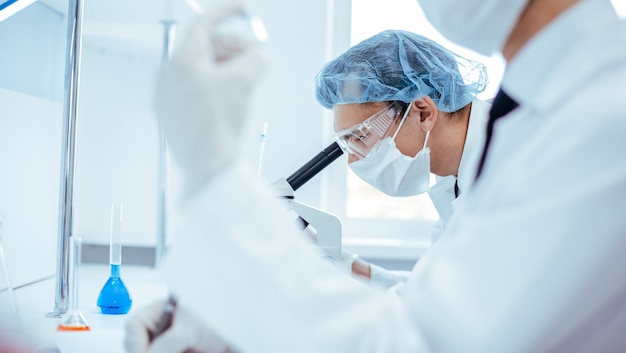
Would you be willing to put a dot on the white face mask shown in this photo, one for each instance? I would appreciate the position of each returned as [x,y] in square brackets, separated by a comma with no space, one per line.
[481,25]
[393,173]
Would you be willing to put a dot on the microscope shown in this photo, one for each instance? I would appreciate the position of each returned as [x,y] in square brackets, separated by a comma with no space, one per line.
[323,227]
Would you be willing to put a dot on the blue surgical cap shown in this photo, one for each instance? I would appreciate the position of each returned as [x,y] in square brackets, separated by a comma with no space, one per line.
[400,66]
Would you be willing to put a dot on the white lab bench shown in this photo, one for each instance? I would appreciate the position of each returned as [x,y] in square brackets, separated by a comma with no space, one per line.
[107,331]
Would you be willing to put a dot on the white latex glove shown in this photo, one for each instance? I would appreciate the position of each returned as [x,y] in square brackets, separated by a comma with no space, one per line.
[202,94]
[378,276]
[386,278]
[187,334]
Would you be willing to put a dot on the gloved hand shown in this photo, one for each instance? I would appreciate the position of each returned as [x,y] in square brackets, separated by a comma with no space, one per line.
[187,334]
[386,278]
[202,94]
[368,272]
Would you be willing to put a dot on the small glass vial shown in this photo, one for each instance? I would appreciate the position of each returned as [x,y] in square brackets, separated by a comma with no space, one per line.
[74,320]
[235,33]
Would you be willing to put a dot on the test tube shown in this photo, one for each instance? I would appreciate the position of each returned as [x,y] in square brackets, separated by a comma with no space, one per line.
[75,320]
[115,252]
[9,319]
[235,32]
[261,150]
[244,25]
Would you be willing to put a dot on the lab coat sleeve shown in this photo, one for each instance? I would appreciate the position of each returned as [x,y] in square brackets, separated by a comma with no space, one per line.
[240,264]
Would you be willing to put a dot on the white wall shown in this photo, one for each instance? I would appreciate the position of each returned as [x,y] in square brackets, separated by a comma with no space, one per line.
[30,131]
[117,144]
[286,96]
[31,84]
[117,138]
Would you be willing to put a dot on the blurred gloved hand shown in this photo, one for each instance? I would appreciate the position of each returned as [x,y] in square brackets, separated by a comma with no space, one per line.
[351,265]
[202,95]
[6,347]
[386,278]
[187,334]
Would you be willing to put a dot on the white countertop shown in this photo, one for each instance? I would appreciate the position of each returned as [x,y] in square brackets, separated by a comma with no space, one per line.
[107,331]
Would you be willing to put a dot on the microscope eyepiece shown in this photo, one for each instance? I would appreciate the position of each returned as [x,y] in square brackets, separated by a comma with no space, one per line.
[314,166]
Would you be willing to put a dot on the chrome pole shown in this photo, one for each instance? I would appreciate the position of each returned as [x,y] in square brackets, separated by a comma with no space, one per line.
[68,149]
[169,27]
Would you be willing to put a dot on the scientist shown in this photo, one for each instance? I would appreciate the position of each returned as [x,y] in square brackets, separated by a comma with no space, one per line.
[531,261]
[415,101]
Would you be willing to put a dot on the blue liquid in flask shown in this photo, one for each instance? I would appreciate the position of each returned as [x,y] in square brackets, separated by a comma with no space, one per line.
[114,297]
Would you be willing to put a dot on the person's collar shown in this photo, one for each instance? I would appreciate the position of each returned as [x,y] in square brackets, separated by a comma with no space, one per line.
[474,141]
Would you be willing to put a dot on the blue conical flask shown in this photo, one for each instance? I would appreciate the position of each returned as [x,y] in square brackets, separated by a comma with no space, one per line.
[114,297]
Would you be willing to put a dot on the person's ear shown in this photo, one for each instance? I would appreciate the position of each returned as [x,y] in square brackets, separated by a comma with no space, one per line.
[427,113]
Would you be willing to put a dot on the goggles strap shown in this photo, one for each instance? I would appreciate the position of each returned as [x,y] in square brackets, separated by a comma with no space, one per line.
[408,108]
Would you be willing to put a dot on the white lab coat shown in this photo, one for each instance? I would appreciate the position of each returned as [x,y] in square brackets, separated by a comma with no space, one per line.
[442,193]
[533,261]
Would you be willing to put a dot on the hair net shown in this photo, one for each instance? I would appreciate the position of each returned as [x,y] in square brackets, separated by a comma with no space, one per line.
[399,65]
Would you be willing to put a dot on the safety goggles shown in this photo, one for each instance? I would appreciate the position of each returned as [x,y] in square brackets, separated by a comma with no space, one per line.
[361,138]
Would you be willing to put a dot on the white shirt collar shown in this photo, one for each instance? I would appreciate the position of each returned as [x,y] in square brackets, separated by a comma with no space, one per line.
[474,143]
